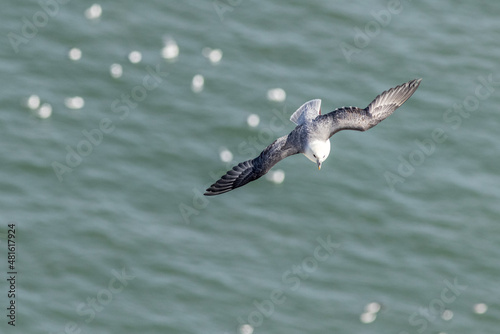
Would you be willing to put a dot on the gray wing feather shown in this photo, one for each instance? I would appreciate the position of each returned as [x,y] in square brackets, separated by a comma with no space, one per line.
[352,118]
[251,170]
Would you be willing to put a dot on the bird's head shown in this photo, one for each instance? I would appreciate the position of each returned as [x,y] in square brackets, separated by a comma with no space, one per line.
[317,151]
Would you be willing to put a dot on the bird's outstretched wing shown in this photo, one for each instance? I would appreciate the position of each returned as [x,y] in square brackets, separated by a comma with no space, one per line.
[352,118]
[251,170]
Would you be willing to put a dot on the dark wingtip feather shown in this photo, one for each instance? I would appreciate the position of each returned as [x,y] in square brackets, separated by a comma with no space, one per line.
[234,178]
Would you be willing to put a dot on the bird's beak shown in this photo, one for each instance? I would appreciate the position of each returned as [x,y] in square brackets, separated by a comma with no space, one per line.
[319,165]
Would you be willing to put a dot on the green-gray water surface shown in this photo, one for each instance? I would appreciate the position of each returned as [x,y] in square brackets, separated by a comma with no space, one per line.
[113,235]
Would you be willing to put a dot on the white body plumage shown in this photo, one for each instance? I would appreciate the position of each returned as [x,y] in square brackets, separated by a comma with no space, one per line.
[317,151]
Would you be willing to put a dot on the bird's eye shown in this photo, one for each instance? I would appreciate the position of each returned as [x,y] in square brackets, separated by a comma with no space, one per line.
[314,155]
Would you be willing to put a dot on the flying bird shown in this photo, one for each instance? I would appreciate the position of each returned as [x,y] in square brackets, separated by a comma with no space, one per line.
[311,136]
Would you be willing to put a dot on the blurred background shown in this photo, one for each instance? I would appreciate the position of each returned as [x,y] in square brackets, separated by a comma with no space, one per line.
[117,116]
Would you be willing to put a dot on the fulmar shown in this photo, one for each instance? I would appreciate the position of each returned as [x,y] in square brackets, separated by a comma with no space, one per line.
[311,136]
